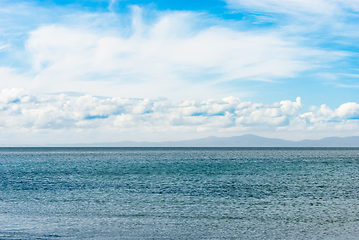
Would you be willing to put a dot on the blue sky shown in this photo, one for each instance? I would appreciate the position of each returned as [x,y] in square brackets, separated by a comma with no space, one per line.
[171,70]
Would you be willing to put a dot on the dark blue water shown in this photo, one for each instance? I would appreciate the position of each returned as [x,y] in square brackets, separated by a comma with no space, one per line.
[179,193]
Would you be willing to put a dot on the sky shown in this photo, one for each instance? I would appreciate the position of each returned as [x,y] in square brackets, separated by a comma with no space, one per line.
[116,70]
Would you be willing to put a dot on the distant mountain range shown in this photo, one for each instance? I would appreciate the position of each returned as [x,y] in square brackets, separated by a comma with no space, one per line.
[238,141]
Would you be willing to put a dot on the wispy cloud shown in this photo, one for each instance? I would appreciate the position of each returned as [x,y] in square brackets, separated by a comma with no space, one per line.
[163,57]
[319,17]
[321,7]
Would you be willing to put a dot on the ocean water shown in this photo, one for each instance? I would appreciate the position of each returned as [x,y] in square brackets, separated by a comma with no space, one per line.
[179,193]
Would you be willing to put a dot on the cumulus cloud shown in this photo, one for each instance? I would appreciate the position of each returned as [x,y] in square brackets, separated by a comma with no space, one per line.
[21,110]
[13,95]
[345,112]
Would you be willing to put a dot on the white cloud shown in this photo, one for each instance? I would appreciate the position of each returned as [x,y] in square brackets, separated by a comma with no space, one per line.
[348,110]
[9,78]
[170,57]
[322,20]
[345,112]
[12,95]
[29,112]
[322,7]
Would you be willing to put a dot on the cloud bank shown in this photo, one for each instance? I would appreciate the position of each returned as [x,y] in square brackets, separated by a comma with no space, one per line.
[26,112]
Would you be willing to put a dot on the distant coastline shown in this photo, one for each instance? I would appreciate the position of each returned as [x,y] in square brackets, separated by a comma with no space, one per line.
[247,140]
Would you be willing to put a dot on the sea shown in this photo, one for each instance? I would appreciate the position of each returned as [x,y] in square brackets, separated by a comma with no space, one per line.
[179,193]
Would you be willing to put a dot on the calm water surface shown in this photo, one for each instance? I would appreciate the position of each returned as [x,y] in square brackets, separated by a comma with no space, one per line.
[179,193]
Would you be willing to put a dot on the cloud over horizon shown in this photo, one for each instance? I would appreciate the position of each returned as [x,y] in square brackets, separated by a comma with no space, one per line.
[26,112]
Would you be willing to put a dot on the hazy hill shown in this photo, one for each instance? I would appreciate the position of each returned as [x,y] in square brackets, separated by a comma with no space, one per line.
[238,141]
